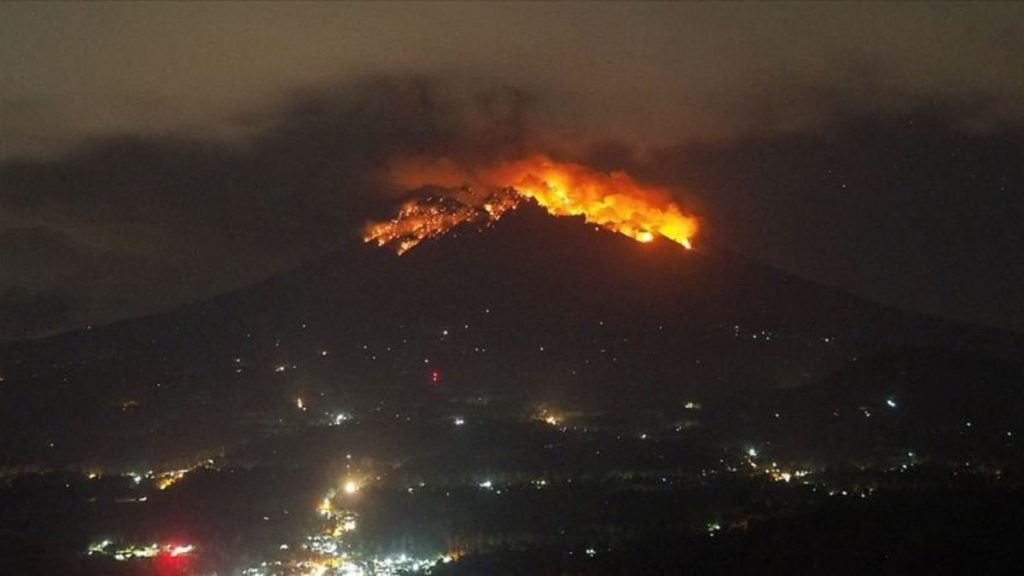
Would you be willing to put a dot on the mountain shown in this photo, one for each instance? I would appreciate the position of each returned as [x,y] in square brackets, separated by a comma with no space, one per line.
[532,310]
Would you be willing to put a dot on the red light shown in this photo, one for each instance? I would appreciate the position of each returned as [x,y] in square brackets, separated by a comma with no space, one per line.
[435,377]
[173,561]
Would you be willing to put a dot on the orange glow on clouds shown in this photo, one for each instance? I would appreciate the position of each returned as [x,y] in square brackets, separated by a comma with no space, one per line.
[613,201]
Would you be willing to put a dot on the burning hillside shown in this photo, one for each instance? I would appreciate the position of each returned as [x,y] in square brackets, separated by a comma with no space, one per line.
[613,201]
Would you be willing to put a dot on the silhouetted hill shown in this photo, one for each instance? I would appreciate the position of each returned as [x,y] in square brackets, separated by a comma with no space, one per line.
[550,310]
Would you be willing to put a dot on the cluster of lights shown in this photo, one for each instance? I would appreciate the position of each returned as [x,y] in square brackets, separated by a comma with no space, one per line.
[131,551]
[168,479]
[165,480]
[775,472]
[550,418]
[327,553]
[779,475]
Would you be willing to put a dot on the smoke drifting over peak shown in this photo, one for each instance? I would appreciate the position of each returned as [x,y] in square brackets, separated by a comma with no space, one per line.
[914,202]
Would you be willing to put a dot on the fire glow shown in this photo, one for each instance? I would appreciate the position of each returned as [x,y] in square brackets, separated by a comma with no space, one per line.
[613,201]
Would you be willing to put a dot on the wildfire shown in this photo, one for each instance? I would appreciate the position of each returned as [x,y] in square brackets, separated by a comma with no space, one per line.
[613,201]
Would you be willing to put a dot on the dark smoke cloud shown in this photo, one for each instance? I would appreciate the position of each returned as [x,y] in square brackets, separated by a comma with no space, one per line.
[914,201]
[135,224]
[910,199]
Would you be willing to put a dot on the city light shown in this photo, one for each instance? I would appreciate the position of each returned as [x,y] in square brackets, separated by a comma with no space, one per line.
[127,552]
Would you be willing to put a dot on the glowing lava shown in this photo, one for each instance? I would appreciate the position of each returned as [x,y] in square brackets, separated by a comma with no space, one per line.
[613,201]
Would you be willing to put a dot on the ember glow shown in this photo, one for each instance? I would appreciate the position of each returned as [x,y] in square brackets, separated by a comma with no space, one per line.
[613,201]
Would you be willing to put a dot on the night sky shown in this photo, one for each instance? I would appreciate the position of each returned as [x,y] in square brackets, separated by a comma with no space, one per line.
[155,154]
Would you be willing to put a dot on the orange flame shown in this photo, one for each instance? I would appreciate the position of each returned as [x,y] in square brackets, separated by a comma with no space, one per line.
[613,201]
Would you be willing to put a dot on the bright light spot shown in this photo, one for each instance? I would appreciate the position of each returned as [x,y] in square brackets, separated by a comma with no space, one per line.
[182,550]
[486,484]
[458,421]
[300,404]
[590,552]
[752,452]
[351,487]
[325,508]
[645,237]
[99,547]
[890,403]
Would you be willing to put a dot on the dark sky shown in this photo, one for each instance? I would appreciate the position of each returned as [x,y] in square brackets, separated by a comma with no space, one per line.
[152,154]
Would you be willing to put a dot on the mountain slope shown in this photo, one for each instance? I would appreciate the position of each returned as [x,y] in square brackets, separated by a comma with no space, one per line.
[544,310]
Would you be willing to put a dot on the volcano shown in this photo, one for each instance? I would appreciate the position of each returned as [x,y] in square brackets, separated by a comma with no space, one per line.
[545,310]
